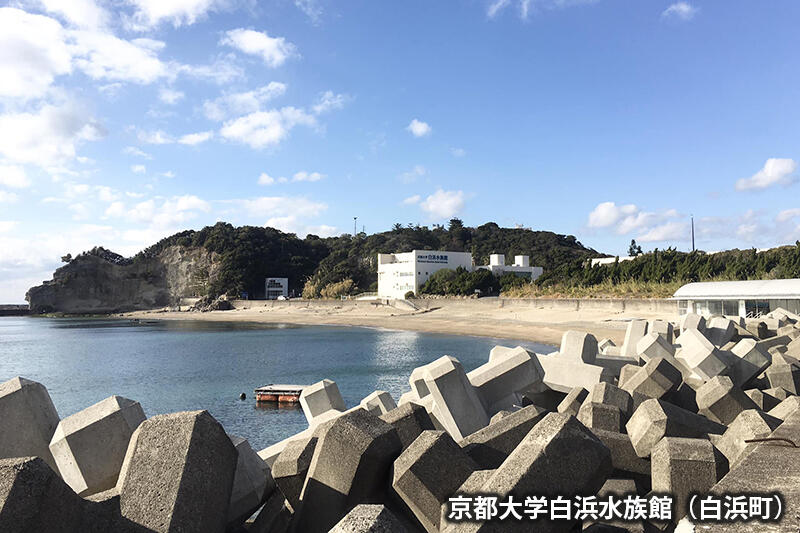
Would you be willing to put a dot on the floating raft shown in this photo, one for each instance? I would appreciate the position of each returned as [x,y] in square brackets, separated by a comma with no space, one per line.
[279,393]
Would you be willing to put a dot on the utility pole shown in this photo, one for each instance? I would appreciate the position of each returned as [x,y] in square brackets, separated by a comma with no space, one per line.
[355,231]
[693,233]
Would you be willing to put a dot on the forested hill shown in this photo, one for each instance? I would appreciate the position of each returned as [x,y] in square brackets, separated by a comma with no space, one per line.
[243,256]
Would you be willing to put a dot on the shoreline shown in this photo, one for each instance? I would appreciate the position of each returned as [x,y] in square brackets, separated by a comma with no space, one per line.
[452,317]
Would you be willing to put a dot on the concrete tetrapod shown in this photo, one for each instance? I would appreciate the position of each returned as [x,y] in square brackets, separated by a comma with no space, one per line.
[719,400]
[682,466]
[508,373]
[458,407]
[178,474]
[350,465]
[252,482]
[90,445]
[291,467]
[656,419]
[427,473]
[28,420]
[366,518]
[750,424]
[320,398]
[409,419]
[490,446]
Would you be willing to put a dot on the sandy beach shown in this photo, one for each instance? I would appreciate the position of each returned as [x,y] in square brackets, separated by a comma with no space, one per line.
[486,317]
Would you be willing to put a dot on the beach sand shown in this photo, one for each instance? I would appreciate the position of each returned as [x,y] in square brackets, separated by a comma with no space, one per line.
[485,317]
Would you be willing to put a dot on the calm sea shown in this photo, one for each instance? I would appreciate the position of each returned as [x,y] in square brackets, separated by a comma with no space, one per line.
[175,366]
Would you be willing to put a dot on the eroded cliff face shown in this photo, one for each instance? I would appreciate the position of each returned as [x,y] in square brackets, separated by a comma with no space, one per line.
[90,284]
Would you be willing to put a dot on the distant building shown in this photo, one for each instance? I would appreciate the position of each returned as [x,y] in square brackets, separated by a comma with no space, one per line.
[275,287]
[400,273]
[521,267]
[609,260]
[739,298]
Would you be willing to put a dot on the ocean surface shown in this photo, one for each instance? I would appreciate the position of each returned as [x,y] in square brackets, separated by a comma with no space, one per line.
[173,366]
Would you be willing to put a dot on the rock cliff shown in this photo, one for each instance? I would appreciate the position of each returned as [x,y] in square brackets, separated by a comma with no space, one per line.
[104,282]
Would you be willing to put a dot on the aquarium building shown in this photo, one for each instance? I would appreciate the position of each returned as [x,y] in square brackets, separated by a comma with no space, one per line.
[276,287]
[400,273]
[752,298]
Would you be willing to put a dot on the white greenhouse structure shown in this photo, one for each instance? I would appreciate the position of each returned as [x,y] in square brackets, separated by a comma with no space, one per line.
[739,298]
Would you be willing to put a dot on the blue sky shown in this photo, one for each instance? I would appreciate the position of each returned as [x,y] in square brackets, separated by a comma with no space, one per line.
[123,122]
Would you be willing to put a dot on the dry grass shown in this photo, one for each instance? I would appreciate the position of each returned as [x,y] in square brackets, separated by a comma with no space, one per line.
[606,289]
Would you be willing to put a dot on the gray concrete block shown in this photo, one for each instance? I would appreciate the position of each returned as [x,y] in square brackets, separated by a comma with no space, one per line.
[578,346]
[417,381]
[653,345]
[663,328]
[252,483]
[749,361]
[785,408]
[720,330]
[490,446]
[778,392]
[600,416]
[409,420]
[750,424]
[562,374]
[655,379]
[625,374]
[784,373]
[178,474]
[763,400]
[623,456]
[635,331]
[498,416]
[378,403]
[656,419]
[559,456]
[89,446]
[693,321]
[682,466]
[700,355]
[459,409]
[370,518]
[275,516]
[28,420]
[615,487]
[350,465]
[420,480]
[573,401]
[721,401]
[499,382]
[291,467]
[610,394]
[320,398]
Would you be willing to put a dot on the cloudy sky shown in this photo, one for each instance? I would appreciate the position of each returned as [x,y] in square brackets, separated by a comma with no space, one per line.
[122,122]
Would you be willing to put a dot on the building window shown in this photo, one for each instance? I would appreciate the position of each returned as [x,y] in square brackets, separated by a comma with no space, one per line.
[730,307]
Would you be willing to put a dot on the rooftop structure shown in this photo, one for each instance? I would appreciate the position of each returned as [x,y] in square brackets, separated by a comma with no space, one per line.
[751,298]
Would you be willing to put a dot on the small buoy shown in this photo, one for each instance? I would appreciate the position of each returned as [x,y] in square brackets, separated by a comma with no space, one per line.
[243,396]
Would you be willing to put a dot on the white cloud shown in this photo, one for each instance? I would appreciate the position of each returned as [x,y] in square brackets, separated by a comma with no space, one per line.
[154,137]
[170,96]
[193,139]
[680,10]
[291,224]
[237,104]
[419,128]
[265,128]
[282,206]
[223,70]
[168,174]
[412,175]
[412,200]
[7,225]
[266,179]
[458,152]
[47,136]
[311,8]
[160,213]
[274,51]
[150,13]
[14,177]
[787,214]
[33,52]
[329,101]
[443,204]
[8,197]
[628,218]
[138,169]
[496,6]
[132,150]
[775,172]
[609,213]
[307,176]
[674,230]
[80,13]
[104,56]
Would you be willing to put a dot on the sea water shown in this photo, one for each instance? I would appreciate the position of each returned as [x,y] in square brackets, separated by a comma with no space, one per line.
[171,366]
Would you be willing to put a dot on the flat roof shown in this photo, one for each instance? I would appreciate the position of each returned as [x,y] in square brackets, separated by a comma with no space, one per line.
[769,289]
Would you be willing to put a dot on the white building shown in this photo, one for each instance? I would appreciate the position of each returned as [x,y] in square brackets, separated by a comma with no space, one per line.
[521,267]
[275,287]
[739,298]
[400,273]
